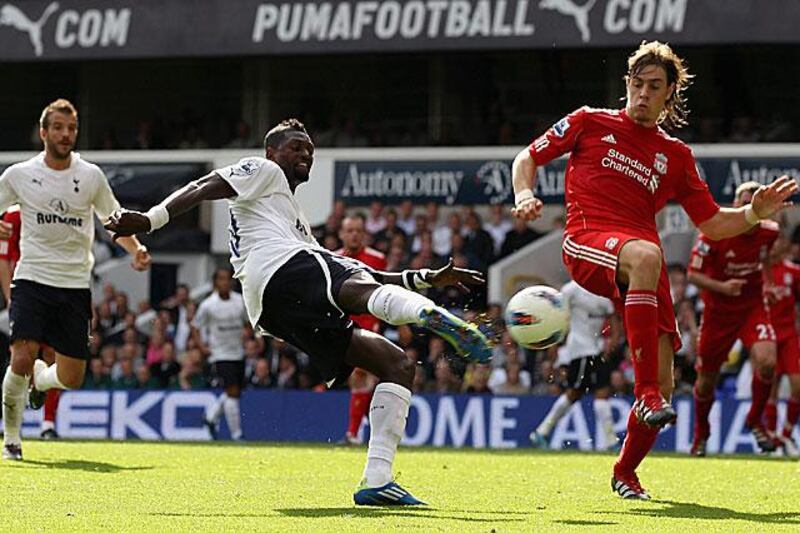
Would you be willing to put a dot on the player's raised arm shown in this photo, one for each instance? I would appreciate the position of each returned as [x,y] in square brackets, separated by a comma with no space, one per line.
[447,276]
[767,201]
[209,187]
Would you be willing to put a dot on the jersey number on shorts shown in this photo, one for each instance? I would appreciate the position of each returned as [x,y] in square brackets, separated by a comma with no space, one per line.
[765,332]
[234,231]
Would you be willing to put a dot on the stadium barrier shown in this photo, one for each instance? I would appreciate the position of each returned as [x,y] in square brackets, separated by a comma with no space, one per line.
[434,420]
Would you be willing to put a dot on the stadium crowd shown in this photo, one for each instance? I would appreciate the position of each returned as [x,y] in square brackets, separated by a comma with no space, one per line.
[163,352]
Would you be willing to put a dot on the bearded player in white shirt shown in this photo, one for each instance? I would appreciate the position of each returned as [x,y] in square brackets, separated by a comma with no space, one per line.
[585,356]
[298,291]
[59,194]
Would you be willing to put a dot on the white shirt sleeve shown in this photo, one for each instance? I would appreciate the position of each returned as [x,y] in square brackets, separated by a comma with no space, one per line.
[105,203]
[252,177]
[8,196]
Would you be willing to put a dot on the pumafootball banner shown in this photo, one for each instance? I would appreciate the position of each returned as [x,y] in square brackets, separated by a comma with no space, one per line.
[434,420]
[88,29]
[481,181]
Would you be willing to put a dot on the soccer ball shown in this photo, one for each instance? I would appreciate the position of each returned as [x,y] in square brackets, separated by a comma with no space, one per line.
[537,317]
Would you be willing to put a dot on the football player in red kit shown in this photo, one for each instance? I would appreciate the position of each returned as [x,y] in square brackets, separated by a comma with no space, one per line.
[362,383]
[9,255]
[730,274]
[783,294]
[623,168]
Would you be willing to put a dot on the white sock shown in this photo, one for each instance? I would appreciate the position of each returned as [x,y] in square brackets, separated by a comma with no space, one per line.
[556,413]
[387,419]
[215,412]
[46,425]
[396,305]
[48,379]
[604,423]
[15,388]
[233,418]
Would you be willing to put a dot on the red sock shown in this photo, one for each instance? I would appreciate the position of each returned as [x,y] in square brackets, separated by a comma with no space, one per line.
[702,407]
[792,414]
[51,404]
[637,445]
[359,406]
[641,325]
[761,389]
[771,416]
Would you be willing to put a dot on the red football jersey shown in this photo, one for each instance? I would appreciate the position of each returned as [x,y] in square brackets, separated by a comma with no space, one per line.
[620,174]
[737,257]
[9,248]
[372,258]
[786,292]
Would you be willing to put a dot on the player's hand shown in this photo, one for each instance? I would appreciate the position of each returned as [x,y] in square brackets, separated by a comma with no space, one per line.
[528,209]
[733,286]
[124,223]
[451,275]
[141,260]
[6,229]
[774,197]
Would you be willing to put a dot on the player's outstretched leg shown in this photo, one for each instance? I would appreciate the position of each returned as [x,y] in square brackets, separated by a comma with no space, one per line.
[395,305]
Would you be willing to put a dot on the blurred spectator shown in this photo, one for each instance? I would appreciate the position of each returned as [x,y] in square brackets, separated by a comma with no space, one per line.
[375,221]
[478,242]
[391,230]
[512,383]
[243,137]
[498,226]
[127,377]
[446,382]
[478,380]
[443,235]
[405,219]
[518,237]
[191,373]
[287,370]
[261,377]
[167,369]
[145,380]
[98,375]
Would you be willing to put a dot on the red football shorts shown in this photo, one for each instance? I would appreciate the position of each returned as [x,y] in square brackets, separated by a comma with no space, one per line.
[720,327]
[591,259]
[788,356]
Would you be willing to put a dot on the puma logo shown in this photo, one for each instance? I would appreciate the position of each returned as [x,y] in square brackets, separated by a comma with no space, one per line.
[569,8]
[11,15]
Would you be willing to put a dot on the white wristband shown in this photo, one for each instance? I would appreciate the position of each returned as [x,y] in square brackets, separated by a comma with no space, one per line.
[420,279]
[158,215]
[522,197]
[750,215]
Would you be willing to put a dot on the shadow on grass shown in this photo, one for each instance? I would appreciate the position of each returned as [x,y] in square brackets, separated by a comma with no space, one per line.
[706,512]
[584,523]
[87,466]
[382,512]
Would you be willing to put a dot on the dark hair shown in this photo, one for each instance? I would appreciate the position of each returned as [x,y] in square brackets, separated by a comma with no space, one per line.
[277,135]
[650,53]
[219,270]
[62,105]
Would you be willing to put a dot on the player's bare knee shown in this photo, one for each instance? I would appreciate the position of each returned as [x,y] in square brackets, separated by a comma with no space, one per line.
[402,371]
[71,381]
[644,261]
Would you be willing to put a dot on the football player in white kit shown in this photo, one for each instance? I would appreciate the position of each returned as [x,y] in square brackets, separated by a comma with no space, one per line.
[218,322]
[585,355]
[58,194]
[297,291]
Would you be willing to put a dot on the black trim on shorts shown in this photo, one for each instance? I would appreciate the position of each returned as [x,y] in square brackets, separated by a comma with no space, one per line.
[55,316]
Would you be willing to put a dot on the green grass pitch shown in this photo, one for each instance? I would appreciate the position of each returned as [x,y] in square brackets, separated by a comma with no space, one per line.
[167,487]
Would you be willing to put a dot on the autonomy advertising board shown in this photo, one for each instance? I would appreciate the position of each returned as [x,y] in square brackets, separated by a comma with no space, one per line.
[434,420]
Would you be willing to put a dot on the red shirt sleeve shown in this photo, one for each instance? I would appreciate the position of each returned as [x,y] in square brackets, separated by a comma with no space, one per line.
[795,282]
[702,255]
[693,194]
[9,248]
[559,139]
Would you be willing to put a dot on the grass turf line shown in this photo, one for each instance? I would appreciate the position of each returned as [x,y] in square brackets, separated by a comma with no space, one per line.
[170,487]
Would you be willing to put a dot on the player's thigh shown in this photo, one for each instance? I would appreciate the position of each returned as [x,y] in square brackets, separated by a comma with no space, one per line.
[29,312]
[758,337]
[717,334]
[788,358]
[592,259]
[68,326]
[381,357]
[71,370]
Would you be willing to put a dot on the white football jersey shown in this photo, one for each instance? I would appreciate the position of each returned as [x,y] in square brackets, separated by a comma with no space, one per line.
[588,313]
[58,208]
[220,322]
[266,228]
